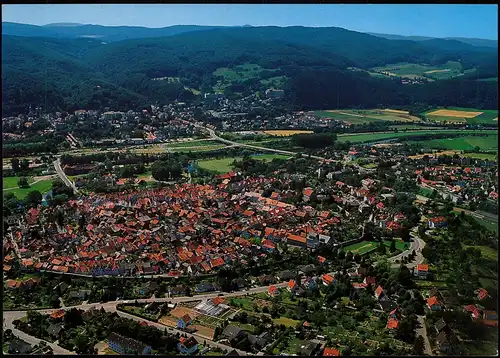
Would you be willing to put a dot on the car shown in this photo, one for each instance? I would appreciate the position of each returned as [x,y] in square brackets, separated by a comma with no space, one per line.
[220,294]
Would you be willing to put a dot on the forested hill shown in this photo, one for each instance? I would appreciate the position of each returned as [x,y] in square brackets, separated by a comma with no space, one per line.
[87,73]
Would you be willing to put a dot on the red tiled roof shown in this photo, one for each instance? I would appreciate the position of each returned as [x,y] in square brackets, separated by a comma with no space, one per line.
[422,267]
[392,323]
[291,284]
[432,301]
[331,352]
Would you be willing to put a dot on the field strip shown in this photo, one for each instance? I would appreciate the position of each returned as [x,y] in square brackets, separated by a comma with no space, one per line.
[454,113]
[396,111]
[436,71]
[351,114]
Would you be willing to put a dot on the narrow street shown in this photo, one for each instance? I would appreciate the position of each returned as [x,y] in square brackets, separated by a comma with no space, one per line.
[422,331]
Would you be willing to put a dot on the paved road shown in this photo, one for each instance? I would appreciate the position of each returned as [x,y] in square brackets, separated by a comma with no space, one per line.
[12,316]
[422,330]
[417,244]
[62,175]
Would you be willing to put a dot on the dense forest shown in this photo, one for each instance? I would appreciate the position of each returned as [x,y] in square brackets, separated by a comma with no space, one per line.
[68,74]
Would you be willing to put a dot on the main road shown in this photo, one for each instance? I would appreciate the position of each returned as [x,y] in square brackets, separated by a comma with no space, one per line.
[62,175]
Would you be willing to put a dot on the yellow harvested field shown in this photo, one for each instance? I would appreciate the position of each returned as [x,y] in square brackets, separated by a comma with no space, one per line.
[286,133]
[453,113]
[168,321]
[396,111]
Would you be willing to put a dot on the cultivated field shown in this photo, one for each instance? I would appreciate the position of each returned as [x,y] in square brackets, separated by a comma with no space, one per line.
[286,133]
[223,165]
[462,143]
[463,115]
[181,311]
[353,116]
[372,137]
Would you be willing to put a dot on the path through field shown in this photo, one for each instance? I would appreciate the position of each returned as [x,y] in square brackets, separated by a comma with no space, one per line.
[45,177]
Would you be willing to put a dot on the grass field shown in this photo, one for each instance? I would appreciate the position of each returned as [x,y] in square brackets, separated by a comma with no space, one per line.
[486,252]
[486,156]
[241,73]
[286,133]
[287,322]
[462,143]
[467,115]
[366,116]
[373,137]
[42,186]
[361,247]
[224,165]
[192,143]
[413,70]
[11,182]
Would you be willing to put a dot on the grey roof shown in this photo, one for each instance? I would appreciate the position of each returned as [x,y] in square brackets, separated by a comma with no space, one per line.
[440,325]
[18,346]
[129,344]
[232,332]
[442,338]
[55,329]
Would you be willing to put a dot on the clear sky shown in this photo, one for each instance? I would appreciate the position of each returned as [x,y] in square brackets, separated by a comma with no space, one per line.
[478,21]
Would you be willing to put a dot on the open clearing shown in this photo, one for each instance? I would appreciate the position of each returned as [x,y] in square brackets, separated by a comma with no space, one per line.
[361,247]
[223,165]
[486,252]
[286,133]
[11,182]
[287,322]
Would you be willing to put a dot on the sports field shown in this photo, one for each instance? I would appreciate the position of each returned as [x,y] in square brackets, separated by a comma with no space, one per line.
[486,143]
[463,115]
[223,165]
[361,247]
[372,137]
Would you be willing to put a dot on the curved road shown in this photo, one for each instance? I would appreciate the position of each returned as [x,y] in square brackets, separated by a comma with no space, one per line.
[62,175]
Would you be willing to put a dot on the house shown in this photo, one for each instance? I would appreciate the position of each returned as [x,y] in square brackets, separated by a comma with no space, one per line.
[204,287]
[259,341]
[310,283]
[387,305]
[443,343]
[82,294]
[421,271]
[437,222]
[232,332]
[433,304]
[473,310]
[440,325]
[187,346]
[54,330]
[308,348]
[379,293]
[307,269]
[490,315]
[331,352]
[327,280]
[482,294]
[312,241]
[273,291]
[285,275]
[57,314]
[291,286]
[125,345]
[184,321]
[392,324]
[369,280]
[234,352]
[18,346]
[148,288]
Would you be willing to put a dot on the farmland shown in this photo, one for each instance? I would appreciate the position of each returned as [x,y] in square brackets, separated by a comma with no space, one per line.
[463,115]
[224,165]
[285,133]
[366,116]
[413,70]
[462,143]
[373,137]
[241,73]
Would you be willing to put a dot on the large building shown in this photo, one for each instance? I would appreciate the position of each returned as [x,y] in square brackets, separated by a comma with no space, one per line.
[125,345]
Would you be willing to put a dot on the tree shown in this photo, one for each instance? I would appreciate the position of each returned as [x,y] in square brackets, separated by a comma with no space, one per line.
[34,198]
[23,182]
[15,164]
[418,346]
[392,248]
[25,164]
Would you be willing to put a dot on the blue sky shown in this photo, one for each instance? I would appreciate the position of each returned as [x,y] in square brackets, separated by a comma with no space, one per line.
[479,21]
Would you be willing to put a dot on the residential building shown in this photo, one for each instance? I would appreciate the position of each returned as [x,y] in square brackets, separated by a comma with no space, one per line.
[187,345]
[421,271]
[125,345]
[184,321]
